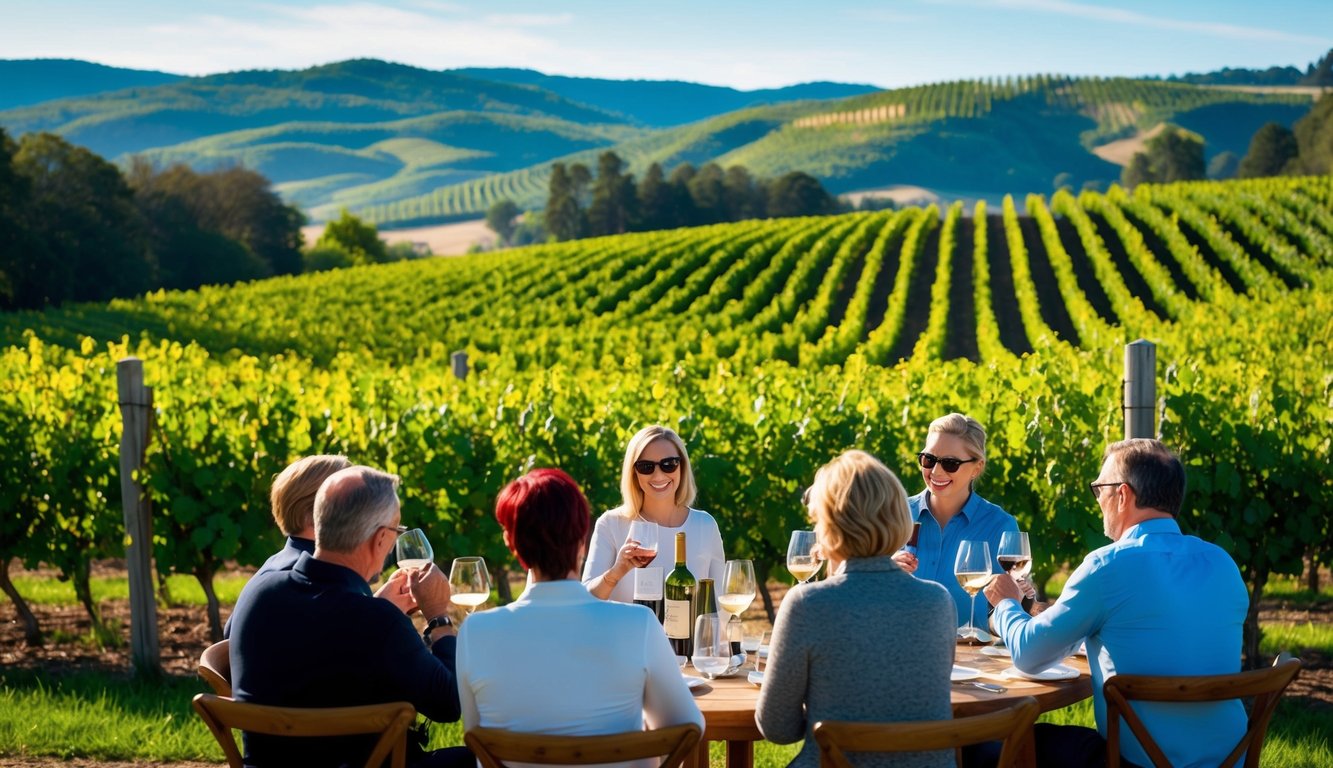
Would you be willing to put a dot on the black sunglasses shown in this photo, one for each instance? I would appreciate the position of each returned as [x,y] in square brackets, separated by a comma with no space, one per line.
[669,464]
[950,465]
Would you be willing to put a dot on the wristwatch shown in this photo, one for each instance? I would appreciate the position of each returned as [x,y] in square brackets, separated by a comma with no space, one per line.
[442,620]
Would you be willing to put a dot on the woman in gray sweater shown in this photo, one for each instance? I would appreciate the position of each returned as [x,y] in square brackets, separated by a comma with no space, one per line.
[870,643]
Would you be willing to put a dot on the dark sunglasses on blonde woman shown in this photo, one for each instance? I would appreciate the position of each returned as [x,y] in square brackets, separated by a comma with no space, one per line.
[928,461]
[669,464]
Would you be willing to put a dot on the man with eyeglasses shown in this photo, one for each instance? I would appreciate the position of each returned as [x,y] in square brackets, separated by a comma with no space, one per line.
[1153,602]
[315,636]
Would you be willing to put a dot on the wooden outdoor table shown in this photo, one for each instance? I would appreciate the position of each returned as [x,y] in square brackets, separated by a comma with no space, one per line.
[728,703]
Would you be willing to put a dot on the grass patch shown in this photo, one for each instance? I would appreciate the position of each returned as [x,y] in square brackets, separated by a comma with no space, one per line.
[1291,590]
[1296,637]
[183,589]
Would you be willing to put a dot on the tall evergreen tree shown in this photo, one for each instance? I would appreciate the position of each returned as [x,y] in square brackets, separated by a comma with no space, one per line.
[1271,149]
[563,217]
[612,197]
[1314,137]
[13,223]
[743,200]
[684,213]
[709,194]
[655,200]
[500,218]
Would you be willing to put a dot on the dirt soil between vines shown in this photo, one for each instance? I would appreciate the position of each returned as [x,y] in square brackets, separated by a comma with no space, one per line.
[184,633]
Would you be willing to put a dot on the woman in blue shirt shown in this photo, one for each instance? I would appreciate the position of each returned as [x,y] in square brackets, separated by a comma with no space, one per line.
[950,512]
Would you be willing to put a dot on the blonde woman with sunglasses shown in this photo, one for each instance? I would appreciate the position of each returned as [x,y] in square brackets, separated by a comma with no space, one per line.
[657,486]
[950,512]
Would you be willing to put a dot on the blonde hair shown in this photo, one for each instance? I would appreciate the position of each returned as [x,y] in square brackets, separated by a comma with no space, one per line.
[860,507]
[965,428]
[630,493]
[293,492]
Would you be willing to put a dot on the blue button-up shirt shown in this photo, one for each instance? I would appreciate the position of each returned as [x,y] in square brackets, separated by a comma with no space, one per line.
[1156,602]
[936,550]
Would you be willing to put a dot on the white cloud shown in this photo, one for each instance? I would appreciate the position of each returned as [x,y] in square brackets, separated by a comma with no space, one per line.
[1122,16]
[530,19]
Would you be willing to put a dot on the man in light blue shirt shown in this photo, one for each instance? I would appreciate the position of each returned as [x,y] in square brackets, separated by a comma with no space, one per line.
[1154,602]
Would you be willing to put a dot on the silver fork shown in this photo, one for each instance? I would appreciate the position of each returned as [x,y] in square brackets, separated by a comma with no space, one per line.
[985,686]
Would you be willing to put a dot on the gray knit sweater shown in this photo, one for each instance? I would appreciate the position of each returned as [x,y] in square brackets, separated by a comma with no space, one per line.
[871,644]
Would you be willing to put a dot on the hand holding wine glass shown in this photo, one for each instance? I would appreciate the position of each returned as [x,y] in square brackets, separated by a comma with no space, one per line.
[801,558]
[973,569]
[643,534]
[469,582]
[414,550]
[1015,554]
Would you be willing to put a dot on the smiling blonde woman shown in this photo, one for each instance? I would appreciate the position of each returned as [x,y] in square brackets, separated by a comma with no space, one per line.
[656,485]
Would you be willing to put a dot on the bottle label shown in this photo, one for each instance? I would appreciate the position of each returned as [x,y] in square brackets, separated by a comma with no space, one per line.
[648,583]
[677,619]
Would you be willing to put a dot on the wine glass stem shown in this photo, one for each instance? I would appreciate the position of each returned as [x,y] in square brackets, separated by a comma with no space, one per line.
[972,620]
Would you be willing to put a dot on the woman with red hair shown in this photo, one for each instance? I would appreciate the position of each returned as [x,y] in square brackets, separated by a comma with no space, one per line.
[558,660]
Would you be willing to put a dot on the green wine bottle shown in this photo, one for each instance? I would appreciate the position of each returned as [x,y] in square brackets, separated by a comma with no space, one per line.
[679,597]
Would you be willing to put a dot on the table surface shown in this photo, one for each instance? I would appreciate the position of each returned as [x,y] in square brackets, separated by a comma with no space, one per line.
[728,703]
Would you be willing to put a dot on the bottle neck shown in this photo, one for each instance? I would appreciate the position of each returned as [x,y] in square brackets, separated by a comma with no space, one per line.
[680,550]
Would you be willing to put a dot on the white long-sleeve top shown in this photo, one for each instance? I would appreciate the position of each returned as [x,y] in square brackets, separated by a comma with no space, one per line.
[703,550]
[559,661]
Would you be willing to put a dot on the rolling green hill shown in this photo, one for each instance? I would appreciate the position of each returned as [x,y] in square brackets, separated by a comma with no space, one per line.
[983,138]
[401,145]
[24,82]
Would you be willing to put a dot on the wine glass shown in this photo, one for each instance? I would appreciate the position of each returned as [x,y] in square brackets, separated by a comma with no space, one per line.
[414,550]
[972,567]
[801,560]
[469,582]
[712,651]
[1015,554]
[737,589]
[752,640]
[645,533]
[910,546]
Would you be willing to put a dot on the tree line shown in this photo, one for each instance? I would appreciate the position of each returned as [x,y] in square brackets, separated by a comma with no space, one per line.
[580,204]
[1275,150]
[74,227]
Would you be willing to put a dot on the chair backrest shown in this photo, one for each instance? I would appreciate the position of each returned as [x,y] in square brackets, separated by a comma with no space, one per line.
[390,721]
[1012,724]
[1265,685]
[494,746]
[215,667]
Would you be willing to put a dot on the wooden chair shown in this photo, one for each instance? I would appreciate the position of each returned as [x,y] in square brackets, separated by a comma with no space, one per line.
[1013,725]
[493,746]
[390,721]
[1265,685]
[215,667]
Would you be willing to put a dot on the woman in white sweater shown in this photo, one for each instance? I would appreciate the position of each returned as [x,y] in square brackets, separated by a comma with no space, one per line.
[656,485]
[557,660]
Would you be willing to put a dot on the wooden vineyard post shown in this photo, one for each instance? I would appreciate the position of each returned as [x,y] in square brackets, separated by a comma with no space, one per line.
[1140,398]
[459,362]
[136,413]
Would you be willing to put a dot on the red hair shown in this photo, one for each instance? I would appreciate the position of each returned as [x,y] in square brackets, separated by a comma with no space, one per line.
[547,519]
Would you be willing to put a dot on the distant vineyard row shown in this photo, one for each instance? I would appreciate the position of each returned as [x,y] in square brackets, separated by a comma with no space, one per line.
[770,345]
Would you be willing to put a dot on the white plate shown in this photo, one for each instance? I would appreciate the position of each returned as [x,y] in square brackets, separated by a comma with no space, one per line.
[756,678]
[1056,672]
[982,637]
[695,682]
[996,650]
[963,673]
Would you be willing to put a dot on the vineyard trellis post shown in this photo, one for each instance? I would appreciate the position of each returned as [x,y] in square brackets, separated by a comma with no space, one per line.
[458,361]
[1140,398]
[136,413]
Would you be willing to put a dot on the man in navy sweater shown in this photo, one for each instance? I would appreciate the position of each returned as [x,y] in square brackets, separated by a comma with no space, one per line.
[315,635]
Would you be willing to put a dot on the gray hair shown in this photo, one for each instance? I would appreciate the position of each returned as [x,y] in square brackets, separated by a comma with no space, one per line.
[1152,470]
[351,505]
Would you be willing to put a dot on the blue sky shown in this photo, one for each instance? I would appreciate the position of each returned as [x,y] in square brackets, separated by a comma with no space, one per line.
[739,43]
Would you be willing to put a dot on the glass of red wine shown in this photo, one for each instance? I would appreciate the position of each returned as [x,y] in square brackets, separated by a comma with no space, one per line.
[1015,554]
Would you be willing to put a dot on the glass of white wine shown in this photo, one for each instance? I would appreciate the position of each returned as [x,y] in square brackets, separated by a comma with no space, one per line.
[801,559]
[972,567]
[469,582]
[414,550]
[712,650]
[737,590]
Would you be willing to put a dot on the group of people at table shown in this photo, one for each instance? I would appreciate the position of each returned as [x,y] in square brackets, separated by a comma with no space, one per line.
[873,642]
